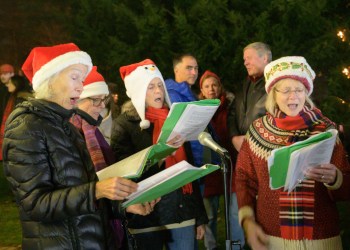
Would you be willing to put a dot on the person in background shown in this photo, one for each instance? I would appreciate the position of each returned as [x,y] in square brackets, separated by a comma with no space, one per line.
[307,217]
[62,204]
[211,88]
[19,92]
[179,218]
[186,73]
[110,112]
[115,108]
[185,68]
[249,104]
[6,72]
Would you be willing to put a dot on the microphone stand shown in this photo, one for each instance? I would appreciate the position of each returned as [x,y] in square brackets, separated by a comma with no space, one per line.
[225,159]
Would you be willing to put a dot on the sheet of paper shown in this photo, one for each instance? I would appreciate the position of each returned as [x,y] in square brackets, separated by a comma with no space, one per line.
[130,166]
[310,156]
[188,119]
[285,170]
[193,121]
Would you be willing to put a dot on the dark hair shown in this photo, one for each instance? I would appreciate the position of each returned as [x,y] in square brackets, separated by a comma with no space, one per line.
[113,88]
[20,83]
[178,58]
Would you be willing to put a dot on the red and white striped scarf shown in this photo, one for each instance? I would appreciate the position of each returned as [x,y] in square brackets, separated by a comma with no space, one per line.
[297,207]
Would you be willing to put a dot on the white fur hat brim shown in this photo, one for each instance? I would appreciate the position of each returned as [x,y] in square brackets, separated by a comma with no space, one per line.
[59,63]
[93,89]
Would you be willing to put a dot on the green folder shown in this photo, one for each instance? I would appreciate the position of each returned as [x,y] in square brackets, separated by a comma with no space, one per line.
[133,166]
[176,112]
[161,183]
[279,169]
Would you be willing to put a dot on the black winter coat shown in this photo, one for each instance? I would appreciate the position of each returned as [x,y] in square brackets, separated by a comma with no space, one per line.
[247,107]
[53,180]
[128,138]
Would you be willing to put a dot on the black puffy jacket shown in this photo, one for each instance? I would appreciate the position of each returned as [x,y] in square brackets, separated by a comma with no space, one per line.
[53,179]
[128,138]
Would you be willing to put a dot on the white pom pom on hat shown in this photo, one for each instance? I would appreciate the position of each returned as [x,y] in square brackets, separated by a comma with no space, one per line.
[295,67]
[44,62]
[137,77]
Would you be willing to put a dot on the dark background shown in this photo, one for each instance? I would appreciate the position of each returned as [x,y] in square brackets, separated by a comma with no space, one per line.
[120,32]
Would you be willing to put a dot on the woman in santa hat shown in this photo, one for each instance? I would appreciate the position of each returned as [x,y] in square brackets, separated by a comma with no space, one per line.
[179,217]
[92,101]
[61,203]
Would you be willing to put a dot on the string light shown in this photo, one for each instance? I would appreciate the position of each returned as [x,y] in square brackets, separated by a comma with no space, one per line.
[346,72]
[342,35]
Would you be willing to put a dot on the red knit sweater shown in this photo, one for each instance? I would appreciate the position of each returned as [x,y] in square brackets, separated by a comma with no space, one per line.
[252,183]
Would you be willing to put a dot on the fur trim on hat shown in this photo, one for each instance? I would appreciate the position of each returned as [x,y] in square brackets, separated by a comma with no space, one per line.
[93,89]
[130,111]
[59,63]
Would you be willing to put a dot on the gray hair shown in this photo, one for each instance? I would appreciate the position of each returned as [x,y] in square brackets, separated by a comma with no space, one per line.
[271,103]
[261,48]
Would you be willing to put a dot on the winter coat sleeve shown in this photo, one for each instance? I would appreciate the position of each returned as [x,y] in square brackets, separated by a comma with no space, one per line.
[246,181]
[121,139]
[47,186]
[231,120]
[341,162]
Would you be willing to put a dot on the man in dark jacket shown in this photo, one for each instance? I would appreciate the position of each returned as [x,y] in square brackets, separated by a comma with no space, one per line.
[248,105]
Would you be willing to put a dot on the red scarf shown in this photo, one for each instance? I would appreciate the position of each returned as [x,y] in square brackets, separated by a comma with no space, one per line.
[296,226]
[9,107]
[91,141]
[308,122]
[158,116]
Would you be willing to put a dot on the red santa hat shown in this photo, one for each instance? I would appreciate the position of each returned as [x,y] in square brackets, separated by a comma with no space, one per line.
[44,62]
[137,77]
[295,67]
[6,68]
[94,84]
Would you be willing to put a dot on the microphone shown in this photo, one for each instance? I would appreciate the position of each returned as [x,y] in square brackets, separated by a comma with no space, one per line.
[205,139]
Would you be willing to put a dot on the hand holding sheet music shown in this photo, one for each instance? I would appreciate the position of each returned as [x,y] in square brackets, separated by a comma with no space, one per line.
[287,165]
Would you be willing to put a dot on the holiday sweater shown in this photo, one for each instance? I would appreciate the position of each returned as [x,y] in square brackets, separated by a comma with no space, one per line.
[308,215]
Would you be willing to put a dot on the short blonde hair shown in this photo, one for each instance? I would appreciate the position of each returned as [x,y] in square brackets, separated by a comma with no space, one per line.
[44,90]
[271,103]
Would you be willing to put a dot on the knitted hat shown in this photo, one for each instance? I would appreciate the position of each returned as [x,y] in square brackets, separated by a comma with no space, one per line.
[295,67]
[94,84]
[6,68]
[206,75]
[44,62]
[137,77]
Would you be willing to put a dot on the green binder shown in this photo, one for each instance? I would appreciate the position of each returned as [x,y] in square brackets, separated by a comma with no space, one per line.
[167,181]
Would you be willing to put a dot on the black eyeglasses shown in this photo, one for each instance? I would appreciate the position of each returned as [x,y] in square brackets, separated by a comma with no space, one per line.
[97,101]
